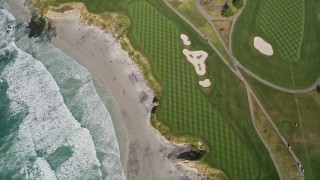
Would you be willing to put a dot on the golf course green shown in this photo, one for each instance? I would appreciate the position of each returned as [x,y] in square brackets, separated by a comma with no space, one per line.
[292,31]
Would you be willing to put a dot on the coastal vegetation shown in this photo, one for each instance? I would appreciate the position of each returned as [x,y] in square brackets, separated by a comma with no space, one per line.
[295,63]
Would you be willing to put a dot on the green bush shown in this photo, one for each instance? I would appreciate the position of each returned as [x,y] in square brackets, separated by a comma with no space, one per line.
[226,10]
[237,3]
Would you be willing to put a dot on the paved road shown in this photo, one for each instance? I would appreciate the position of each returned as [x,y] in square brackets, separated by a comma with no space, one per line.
[248,88]
[237,63]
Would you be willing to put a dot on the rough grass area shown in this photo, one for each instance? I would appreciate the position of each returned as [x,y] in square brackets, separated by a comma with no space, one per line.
[287,164]
[316,96]
[223,28]
[275,69]
[183,107]
[213,7]
[281,22]
[288,109]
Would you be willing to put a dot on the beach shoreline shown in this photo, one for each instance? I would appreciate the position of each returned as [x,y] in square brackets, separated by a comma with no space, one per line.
[131,79]
[147,155]
[144,153]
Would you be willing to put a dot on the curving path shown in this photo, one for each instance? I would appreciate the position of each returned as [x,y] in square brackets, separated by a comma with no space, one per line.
[249,90]
[237,63]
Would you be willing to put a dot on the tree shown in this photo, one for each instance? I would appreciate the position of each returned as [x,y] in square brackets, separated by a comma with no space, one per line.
[226,10]
[237,3]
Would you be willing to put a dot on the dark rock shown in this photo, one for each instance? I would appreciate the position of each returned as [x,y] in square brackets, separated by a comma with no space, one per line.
[36,26]
[192,155]
[154,109]
[155,99]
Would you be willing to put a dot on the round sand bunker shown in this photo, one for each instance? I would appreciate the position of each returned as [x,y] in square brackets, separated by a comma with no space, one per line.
[205,83]
[262,46]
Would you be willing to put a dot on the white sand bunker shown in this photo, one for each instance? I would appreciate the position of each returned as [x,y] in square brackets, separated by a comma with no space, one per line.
[205,83]
[185,39]
[197,58]
[262,46]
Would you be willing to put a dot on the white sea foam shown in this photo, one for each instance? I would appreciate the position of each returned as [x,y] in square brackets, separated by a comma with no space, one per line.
[50,122]
[48,125]
[95,116]
[7,22]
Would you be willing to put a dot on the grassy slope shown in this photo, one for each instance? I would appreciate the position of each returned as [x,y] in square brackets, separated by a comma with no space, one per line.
[187,111]
[287,109]
[227,98]
[305,71]
[287,164]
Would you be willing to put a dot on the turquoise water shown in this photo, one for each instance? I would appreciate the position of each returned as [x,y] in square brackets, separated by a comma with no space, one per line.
[53,124]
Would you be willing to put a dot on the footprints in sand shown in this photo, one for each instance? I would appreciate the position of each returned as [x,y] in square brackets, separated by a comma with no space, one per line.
[197,59]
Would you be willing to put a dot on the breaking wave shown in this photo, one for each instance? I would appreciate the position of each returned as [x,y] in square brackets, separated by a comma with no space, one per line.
[53,124]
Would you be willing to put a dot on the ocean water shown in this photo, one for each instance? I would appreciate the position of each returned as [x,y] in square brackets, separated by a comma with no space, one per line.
[53,124]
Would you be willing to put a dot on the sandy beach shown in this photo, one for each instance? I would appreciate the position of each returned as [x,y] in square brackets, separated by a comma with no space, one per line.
[146,154]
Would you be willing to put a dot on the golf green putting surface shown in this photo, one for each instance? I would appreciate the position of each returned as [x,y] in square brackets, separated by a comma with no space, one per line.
[292,31]
[281,22]
[183,107]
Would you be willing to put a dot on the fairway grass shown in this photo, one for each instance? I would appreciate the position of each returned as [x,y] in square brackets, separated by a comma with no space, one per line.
[187,111]
[276,68]
[281,22]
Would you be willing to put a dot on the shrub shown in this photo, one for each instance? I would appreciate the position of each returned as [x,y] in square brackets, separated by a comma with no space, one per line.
[226,10]
[237,3]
